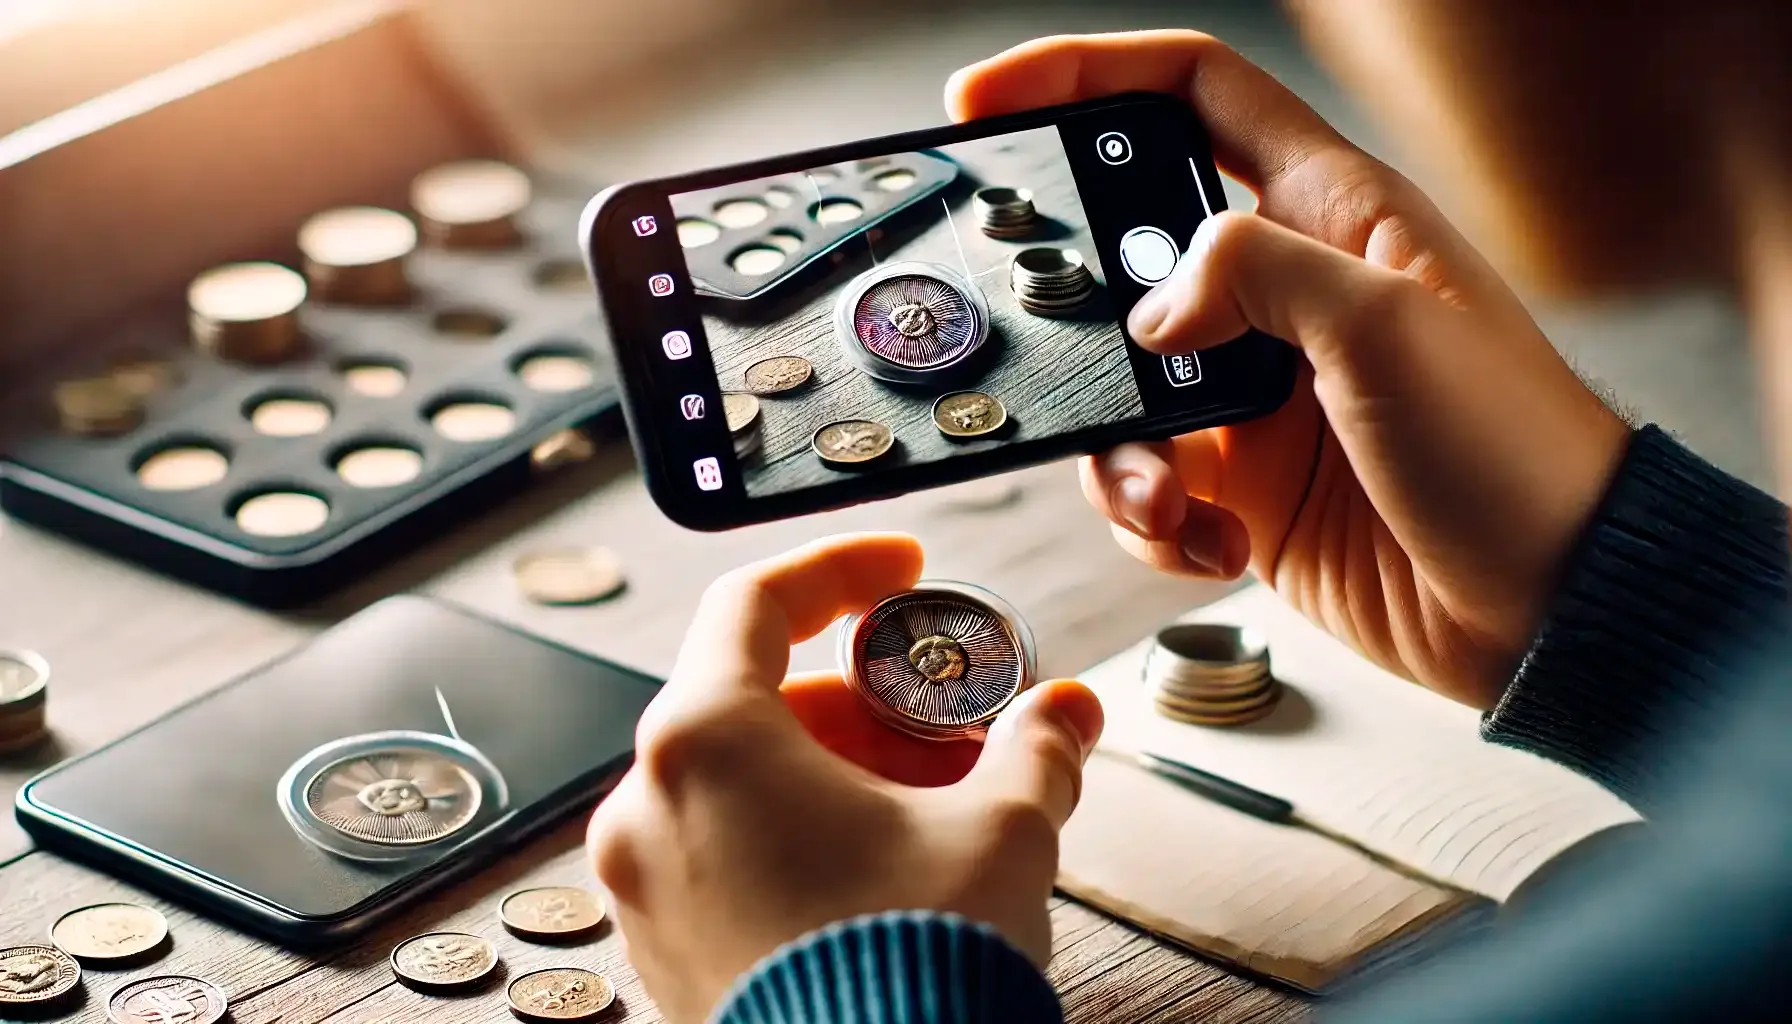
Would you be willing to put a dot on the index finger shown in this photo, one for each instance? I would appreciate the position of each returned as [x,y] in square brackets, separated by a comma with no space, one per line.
[1261,131]
[740,638]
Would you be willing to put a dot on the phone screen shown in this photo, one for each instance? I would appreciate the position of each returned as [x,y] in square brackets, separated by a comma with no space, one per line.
[896,315]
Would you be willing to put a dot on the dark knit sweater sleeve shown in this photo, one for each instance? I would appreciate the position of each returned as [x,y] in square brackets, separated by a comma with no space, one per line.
[915,967]
[1676,582]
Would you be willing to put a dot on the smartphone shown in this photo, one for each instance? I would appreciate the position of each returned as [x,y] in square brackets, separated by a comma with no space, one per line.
[495,734]
[853,323]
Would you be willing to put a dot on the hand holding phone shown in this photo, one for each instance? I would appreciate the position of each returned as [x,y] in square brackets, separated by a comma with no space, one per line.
[842,325]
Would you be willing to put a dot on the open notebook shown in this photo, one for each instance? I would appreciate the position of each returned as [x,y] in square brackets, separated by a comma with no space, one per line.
[1358,751]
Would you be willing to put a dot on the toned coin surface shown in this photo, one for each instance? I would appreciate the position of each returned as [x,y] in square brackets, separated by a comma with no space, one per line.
[741,411]
[35,976]
[561,993]
[444,960]
[401,796]
[174,999]
[109,932]
[554,912]
[779,373]
[282,514]
[853,441]
[969,414]
[186,468]
[569,576]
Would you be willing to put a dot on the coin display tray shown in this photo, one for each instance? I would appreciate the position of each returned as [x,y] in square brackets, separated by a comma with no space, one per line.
[88,487]
[712,265]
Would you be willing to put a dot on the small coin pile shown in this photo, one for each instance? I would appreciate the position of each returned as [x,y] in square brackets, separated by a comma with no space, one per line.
[569,576]
[24,695]
[356,255]
[472,204]
[1210,674]
[850,443]
[1049,281]
[1005,213]
[247,312]
[741,410]
[964,415]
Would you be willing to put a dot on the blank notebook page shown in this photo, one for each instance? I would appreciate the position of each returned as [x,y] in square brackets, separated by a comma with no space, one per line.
[1369,755]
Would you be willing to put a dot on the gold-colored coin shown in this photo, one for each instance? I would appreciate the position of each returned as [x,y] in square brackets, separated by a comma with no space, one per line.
[444,961]
[97,407]
[778,374]
[741,410]
[109,932]
[471,204]
[560,994]
[551,914]
[969,414]
[852,442]
[247,312]
[569,576]
[356,255]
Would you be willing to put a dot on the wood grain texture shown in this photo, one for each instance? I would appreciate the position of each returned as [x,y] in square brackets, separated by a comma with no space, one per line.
[1054,375]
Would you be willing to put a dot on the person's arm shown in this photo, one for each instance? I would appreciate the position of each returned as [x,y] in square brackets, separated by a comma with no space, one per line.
[1679,576]
[913,966]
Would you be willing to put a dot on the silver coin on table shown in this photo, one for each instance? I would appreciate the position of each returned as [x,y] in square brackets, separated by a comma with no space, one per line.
[108,933]
[36,976]
[778,374]
[560,993]
[444,960]
[173,998]
[967,414]
[552,913]
[850,442]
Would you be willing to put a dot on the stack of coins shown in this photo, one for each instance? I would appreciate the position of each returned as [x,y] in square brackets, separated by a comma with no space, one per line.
[97,407]
[356,256]
[1049,281]
[472,204]
[742,412]
[24,692]
[1210,674]
[1005,213]
[247,312]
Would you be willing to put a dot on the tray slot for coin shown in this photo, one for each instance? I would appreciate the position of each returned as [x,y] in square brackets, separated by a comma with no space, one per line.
[792,230]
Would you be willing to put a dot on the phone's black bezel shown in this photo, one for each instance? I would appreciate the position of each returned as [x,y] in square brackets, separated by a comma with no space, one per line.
[622,308]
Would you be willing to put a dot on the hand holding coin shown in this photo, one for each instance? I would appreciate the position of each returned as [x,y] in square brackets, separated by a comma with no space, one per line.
[761,807]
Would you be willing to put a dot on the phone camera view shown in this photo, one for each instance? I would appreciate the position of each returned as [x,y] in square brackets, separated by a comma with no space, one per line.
[907,309]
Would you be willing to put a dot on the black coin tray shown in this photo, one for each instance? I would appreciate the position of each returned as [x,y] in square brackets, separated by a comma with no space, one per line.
[712,265]
[88,487]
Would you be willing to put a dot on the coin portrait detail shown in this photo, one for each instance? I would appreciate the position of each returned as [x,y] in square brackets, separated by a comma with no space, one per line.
[444,960]
[561,993]
[174,999]
[109,932]
[779,373]
[551,913]
[35,976]
[969,414]
[853,441]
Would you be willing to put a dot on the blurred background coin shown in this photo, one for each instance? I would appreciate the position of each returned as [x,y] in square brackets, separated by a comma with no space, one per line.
[444,961]
[356,255]
[558,913]
[471,204]
[24,698]
[97,407]
[1210,674]
[110,933]
[569,576]
[247,312]
[560,994]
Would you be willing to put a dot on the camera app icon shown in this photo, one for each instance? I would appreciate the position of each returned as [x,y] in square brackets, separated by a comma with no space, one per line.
[645,226]
[660,284]
[677,345]
[1114,148]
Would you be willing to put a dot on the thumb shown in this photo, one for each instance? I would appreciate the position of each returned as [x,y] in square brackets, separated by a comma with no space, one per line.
[1243,271]
[1035,751]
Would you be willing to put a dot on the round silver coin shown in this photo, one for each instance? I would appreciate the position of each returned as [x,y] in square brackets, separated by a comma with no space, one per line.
[910,322]
[444,960]
[174,998]
[939,661]
[391,795]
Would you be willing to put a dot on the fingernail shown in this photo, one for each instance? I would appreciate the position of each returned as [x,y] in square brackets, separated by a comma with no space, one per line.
[1204,545]
[1150,312]
[1132,502]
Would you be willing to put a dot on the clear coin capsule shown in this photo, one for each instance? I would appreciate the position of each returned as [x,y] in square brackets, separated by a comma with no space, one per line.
[940,661]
